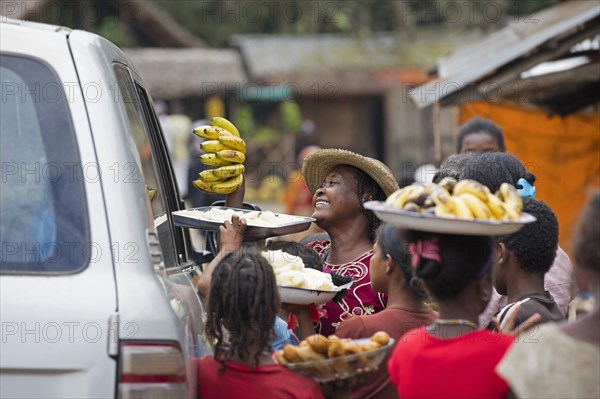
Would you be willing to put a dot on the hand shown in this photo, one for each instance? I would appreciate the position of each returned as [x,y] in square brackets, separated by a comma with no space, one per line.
[232,234]
[509,326]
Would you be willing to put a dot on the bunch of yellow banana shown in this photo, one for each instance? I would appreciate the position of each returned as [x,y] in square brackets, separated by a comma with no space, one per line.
[224,149]
[464,199]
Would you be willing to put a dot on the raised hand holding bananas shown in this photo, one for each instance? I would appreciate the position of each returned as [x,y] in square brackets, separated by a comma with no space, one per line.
[224,149]
[465,199]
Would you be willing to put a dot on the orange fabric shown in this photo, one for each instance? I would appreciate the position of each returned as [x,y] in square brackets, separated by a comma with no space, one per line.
[563,153]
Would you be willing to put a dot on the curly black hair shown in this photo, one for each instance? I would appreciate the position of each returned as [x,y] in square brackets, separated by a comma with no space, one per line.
[243,301]
[391,243]
[480,125]
[309,256]
[366,185]
[535,245]
[463,259]
[494,168]
[452,167]
[587,235]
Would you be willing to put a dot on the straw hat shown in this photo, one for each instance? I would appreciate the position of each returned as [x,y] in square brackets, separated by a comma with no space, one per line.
[319,164]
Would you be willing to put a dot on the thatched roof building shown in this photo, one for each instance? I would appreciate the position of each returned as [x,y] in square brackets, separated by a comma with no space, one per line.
[191,72]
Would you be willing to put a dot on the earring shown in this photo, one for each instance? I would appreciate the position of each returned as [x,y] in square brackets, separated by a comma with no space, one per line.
[486,295]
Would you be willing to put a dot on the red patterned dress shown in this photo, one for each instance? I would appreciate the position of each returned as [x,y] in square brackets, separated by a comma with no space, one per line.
[361,299]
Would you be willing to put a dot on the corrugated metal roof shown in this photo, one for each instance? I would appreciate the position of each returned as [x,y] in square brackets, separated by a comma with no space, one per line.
[177,73]
[471,63]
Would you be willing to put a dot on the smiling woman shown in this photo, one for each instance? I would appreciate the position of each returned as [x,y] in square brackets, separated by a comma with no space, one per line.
[341,182]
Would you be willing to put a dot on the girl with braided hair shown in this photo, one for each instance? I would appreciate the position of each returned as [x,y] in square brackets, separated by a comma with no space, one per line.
[242,306]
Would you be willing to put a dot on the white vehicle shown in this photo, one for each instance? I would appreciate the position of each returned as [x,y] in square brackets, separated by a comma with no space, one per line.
[95,297]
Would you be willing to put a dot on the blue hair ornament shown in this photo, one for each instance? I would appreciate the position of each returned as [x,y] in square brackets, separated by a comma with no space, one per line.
[525,189]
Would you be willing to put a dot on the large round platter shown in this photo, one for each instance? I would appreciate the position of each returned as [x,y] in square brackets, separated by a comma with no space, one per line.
[303,296]
[433,224]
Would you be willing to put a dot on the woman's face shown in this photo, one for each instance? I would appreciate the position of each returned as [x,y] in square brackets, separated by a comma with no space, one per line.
[337,198]
[377,267]
[479,142]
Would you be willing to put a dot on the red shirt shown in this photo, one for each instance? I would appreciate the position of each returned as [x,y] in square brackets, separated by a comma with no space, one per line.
[361,299]
[242,382]
[394,321]
[423,366]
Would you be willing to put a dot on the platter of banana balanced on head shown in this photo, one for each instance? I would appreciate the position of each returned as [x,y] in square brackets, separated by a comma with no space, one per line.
[226,151]
[454,207]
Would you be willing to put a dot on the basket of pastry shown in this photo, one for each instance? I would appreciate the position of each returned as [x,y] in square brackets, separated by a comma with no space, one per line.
[329,358]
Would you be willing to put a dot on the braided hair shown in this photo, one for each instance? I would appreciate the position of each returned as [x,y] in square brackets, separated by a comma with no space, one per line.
[243,301]
[366,185]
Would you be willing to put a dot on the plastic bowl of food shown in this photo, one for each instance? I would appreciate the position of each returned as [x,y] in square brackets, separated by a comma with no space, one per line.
[341,367]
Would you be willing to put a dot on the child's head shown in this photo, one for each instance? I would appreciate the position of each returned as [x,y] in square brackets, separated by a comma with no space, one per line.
[494,168]
[448,264]
[585,242]
[244,301]
[309,256]
[480,135]
[311,259]
[532,249]
[391,254]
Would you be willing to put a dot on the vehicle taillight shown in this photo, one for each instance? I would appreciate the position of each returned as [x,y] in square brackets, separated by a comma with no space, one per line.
[151,371]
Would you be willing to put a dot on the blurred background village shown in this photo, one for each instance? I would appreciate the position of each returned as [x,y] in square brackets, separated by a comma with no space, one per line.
[390,79]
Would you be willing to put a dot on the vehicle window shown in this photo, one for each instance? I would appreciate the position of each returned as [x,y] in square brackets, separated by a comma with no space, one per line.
[150,167]
[44,225]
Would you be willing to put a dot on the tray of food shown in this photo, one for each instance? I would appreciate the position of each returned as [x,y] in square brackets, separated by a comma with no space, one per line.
[330,358]
[261,224]
[463,207]
[304,296]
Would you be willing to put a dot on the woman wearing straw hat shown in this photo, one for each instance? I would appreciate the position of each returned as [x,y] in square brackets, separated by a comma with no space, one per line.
[341,182]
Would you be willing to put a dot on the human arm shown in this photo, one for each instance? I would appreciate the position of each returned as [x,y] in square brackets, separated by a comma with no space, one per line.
[230,240]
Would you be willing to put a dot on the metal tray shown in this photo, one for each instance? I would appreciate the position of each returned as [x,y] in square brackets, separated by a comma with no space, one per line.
[252,232]
[431,223]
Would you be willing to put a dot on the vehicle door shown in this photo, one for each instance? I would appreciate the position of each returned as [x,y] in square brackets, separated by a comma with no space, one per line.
[57,284]
[159,176]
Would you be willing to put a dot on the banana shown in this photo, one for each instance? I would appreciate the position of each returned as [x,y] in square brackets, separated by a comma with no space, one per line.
[228,171]
[411,207]
[508,193]
[470,186]
[496,206]
[509,213]
[225,124]
[212,160]
[228,186]
[213,146]
[151,193]
[231,156]
[478,208]
[461,209]
[222,187]
[233,142]
[398,198]
[202,185]
[210,132]
[448,183]
[208,176]
[442,212]
[442,199]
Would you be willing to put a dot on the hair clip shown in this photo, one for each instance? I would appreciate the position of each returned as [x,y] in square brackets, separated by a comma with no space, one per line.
[525,189]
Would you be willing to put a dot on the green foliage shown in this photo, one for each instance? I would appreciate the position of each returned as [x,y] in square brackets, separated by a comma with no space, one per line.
[117,32]
[291,116]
